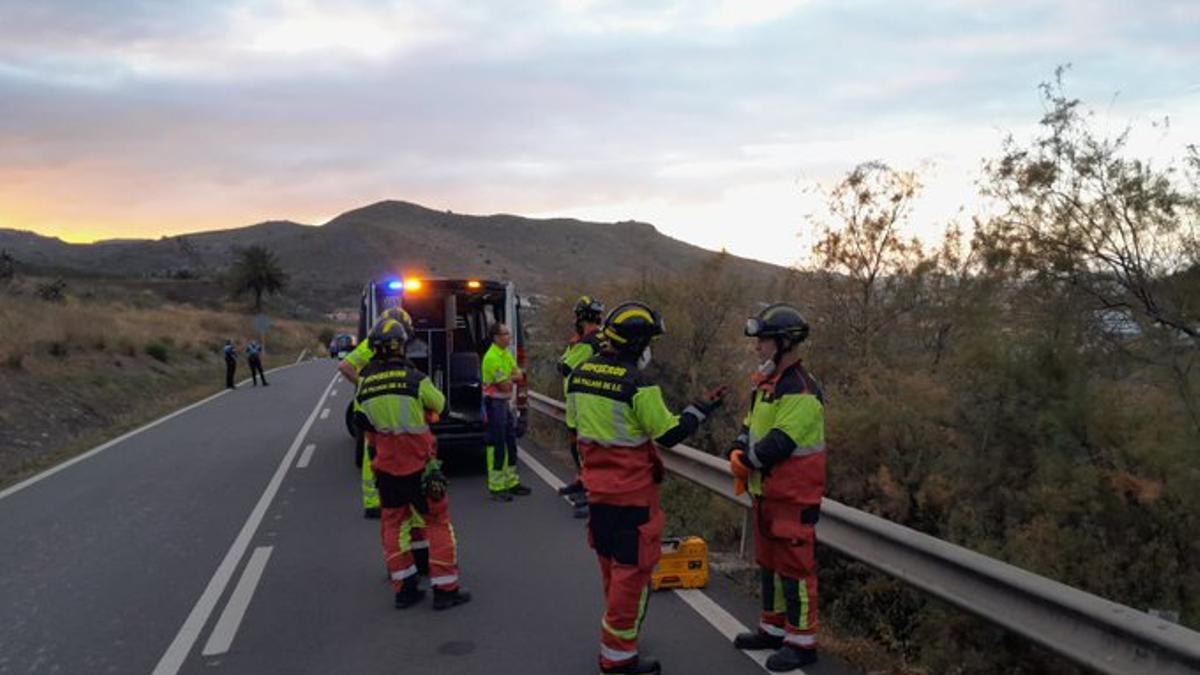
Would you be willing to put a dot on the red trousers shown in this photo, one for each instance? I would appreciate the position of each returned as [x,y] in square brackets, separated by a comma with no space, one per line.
[399,523]
[627,538]
[784,537]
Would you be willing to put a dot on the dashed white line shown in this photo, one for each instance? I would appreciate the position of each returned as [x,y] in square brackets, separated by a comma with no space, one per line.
[306,456]
[725,623]
[333,393]
[325,413]
[227,625]
[172,660]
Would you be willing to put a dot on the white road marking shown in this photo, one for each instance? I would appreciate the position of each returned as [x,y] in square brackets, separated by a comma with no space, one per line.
[221,638]
[172,660]
[333,393]
[325,413]
[306,456]
[725,623]
[302,355]
[123,437]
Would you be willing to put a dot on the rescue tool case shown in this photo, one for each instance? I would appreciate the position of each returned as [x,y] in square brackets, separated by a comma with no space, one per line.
[684,564]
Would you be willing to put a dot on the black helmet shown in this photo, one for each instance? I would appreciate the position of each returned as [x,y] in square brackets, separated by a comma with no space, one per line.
[632,325]
[391,332]
[589,309]
[779,320]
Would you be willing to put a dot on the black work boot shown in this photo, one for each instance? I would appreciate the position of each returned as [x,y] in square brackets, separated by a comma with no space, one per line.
[371,512]
[637,666]
[756,640]
[501,497]
[580,510]
[571,488]
[790,658]
[409,594]
[447,599]
[520,490]
[421,560]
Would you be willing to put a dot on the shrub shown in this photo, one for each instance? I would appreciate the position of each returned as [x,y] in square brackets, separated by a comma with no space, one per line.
[157,351]
[15,361]
[53,291]
[57,349]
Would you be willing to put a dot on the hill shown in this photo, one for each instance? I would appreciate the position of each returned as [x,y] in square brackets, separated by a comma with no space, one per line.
[329,263]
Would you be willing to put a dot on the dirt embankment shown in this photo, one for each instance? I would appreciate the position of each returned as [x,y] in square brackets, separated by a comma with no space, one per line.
[74,372]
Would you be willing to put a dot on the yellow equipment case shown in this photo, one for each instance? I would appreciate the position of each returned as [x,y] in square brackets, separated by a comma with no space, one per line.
[684,564]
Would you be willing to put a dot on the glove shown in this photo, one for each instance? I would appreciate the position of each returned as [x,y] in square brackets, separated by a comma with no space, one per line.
[431,417]
[433,481]
[740,469]
[711,400]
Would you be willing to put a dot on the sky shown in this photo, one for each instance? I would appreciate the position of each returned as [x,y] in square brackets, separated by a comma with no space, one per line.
[711,119]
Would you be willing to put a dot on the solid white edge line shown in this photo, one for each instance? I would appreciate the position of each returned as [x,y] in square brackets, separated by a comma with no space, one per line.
[725,623]
[172,660]
[716,616]
[325,414]
[127,435]
[306,456]
[221,638]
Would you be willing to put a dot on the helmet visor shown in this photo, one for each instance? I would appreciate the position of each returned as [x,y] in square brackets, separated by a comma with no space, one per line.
[753,327]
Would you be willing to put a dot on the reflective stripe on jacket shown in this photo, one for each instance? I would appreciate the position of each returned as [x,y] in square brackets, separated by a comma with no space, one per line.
[785,438]
[497,368]
[393,398]
[616,414]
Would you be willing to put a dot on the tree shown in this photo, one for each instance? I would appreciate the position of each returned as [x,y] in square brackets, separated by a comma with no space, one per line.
[871,273]
[1118,230]
[8,266]
[255,269]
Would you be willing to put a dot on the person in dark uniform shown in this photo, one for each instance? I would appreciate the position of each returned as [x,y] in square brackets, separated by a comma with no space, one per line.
[254,359]
[230,364]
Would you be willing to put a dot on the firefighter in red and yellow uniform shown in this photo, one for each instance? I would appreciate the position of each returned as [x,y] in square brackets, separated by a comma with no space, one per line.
[780,457]
[584,344]
[618,415]
[395,402]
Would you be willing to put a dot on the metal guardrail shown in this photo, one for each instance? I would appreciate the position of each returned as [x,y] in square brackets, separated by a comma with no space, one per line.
[1086,629]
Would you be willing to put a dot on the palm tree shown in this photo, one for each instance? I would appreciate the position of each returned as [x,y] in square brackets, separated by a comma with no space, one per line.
[256,269]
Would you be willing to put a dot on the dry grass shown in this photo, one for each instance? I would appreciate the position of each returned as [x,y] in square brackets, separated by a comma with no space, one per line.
[76,372]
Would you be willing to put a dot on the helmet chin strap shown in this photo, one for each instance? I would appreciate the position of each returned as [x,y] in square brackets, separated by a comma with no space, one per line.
[768,367]
[644,359]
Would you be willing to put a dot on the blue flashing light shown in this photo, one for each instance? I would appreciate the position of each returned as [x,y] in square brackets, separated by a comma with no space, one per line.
[395,285]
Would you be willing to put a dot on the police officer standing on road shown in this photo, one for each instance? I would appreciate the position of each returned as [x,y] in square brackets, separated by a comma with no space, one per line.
[395,404]
[254,359]
[584,344]
[500,377]
[231,356]
[780,456]
[618,415]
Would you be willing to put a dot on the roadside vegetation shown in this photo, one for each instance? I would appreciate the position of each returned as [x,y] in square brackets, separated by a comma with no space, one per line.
[83,361]
[1028,387]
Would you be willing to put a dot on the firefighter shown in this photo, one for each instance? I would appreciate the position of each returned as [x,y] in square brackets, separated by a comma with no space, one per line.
[618,415]
[395,401]
[584,344]
[350,367]
[780,456]
[500,377]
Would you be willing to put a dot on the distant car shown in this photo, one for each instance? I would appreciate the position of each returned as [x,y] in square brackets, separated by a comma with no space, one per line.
[341,345]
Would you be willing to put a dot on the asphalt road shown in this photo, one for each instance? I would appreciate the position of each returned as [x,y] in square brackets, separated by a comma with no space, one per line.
[229,539]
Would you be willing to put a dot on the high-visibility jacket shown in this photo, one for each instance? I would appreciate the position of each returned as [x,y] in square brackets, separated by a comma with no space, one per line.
[497,368]
[579,349]
[360,356]
[784,438]
[618,415]
[393,397]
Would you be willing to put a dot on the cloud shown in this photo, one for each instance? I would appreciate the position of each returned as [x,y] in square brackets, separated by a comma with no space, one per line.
[138,117]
